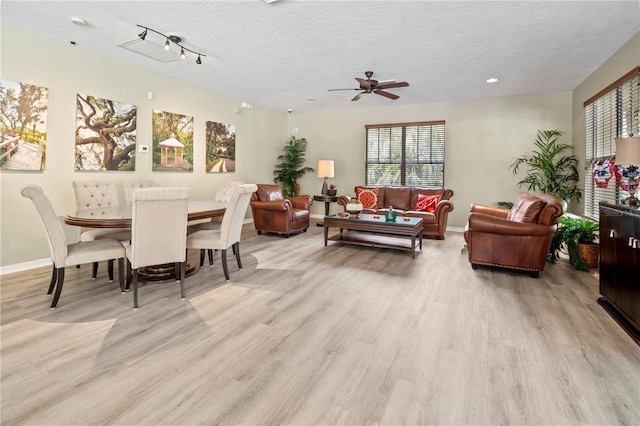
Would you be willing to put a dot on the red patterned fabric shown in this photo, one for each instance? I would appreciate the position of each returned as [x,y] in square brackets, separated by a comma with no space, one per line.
[602,171]
[427,203]
[622,177]
[368,197]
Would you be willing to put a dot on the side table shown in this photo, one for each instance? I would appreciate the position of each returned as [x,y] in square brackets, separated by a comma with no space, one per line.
[327,200]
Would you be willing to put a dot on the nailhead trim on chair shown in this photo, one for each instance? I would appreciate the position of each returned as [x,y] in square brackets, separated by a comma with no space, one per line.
[517,268]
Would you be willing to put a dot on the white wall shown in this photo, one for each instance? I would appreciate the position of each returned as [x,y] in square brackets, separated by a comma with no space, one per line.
[482,138]
[67,70]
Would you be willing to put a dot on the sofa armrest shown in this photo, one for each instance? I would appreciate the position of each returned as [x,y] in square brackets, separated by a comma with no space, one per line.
[301,202]
[480,222]
[343,200]
[275,205]
[492,211]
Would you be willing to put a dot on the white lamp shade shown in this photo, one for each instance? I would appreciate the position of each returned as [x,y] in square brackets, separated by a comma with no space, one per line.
[628,151]
[325,168]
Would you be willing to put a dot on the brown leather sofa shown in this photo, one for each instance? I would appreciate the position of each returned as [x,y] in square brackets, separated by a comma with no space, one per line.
[274,213]
[403,199]
[518,238]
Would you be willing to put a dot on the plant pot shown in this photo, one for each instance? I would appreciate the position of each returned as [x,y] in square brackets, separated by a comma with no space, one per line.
[590,253]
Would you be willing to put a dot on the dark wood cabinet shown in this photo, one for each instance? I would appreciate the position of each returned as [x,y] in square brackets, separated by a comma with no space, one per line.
[620,265]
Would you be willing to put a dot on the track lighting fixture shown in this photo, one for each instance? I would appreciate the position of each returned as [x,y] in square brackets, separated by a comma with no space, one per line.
[171,39]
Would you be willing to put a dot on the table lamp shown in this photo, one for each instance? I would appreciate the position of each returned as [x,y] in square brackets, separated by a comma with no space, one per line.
[325,171]
[628,154]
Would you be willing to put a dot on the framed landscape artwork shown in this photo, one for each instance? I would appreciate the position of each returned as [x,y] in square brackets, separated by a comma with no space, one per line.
[23,126]
[172,142]
[105,134]
[221,147]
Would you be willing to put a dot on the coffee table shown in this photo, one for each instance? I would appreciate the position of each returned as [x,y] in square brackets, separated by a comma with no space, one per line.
[373,231]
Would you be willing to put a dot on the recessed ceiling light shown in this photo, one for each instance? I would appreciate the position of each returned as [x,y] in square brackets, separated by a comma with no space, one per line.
[492,80]
[311,100]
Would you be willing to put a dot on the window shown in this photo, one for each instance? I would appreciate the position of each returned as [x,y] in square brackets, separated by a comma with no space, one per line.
[410,154]
[612,113]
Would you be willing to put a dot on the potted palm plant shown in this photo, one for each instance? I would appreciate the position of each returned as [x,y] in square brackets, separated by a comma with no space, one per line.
[578,235]
[291,166]
[549,169]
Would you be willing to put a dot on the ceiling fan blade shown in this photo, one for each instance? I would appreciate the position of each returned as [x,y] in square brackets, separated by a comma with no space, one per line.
[358,96]
[364,84]
[393,85]
[386,94]
[333,90]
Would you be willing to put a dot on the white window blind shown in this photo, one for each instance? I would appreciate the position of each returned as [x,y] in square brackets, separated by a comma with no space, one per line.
[410,154]
[612,113]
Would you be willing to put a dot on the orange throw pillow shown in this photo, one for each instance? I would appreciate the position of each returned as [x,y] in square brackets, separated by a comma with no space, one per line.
[368,197]
[427,203]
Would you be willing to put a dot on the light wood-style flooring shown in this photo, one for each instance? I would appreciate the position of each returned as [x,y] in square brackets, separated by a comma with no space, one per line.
[308,335]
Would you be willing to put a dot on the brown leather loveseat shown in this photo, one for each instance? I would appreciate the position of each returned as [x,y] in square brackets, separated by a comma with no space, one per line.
[272,212]
[518,238]
[434,208]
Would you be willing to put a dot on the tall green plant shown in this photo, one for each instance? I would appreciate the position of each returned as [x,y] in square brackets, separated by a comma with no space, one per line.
[291,166]
[548,169]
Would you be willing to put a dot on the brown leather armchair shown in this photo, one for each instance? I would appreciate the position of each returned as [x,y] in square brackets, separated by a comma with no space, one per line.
[274,213]
[518,238]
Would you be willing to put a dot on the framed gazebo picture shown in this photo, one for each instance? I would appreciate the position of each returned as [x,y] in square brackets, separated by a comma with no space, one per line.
[221,147]
[105,134]
[23,126]
[172,142]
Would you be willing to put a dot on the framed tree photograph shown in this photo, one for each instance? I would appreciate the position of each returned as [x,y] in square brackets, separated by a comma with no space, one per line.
[23,126]
[172,142]
[221,147]
[105,134]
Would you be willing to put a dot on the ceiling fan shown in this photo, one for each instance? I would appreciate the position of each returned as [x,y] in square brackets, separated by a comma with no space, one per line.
[373,86]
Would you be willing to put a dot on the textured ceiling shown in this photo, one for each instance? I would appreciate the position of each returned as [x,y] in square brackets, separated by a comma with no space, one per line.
[282,54]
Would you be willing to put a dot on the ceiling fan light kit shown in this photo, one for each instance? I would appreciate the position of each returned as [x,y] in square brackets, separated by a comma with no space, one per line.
[374,86]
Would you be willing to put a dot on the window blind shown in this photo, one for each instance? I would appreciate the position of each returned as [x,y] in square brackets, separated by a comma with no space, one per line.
[612,113]
[410,154]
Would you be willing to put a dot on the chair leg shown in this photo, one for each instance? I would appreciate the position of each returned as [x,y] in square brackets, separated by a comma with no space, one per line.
[210,253]
[121,274]
[135,288]
[201,257]
[60,281]
[110,269]
[54,275]
[224,264]
[183,267]
[236,251]
[129,275]
[94,271]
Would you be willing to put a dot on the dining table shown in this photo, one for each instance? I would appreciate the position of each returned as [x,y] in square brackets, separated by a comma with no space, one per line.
[120,217]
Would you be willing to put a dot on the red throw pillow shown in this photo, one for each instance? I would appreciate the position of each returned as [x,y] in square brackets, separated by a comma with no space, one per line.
[427,203]
[368,197]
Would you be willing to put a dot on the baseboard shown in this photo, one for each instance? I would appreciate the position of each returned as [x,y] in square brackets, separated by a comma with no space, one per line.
[25,266]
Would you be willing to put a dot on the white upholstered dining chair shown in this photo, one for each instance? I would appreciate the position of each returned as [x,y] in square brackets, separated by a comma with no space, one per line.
[230,229]
[64,254]
[130,186]
[158,232]
[93,194]
[223,194]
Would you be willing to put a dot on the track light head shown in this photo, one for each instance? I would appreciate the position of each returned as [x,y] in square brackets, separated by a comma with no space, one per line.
[143,34]
[198,61]
[167,45]
[182,54]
